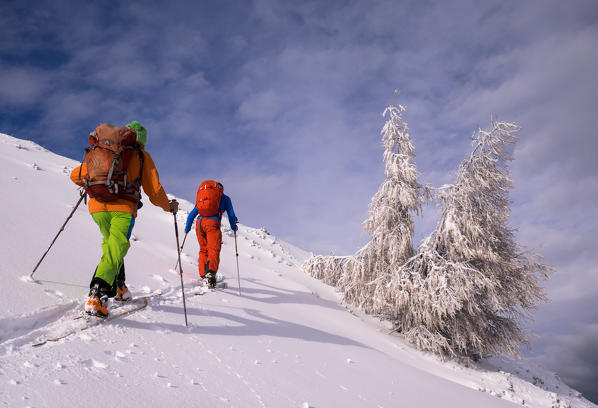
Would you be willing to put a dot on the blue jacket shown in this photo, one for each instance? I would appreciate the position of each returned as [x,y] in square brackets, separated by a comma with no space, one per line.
[225,205]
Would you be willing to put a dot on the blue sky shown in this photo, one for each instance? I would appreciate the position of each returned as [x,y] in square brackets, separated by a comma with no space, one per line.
[281,101]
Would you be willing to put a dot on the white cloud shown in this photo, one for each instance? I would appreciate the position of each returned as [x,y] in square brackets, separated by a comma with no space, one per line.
[263,105]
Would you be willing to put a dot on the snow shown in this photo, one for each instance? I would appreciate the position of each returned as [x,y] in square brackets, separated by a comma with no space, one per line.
[287,341]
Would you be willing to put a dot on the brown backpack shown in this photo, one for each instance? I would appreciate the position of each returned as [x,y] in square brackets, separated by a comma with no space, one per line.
[107,161]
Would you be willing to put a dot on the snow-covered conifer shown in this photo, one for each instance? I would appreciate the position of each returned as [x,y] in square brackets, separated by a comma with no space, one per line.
[467,288]
[389,223]
[470,283]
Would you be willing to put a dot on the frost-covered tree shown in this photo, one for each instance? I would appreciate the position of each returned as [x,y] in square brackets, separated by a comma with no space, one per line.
[469,285]
[466,290]
[389,224]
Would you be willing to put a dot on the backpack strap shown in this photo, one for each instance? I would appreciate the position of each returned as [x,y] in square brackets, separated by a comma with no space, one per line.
[134,187]
[109,181]
[138,150]
[212,217]
[87,149]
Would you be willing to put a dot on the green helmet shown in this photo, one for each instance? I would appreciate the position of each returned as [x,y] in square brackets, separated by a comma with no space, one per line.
[140,130]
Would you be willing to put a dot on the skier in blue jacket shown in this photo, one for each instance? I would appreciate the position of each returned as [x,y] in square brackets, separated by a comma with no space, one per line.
[207,229]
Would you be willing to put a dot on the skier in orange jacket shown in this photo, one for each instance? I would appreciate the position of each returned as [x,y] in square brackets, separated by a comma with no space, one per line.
[116,220]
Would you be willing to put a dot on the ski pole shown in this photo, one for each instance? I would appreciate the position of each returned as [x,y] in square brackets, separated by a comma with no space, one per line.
[82,193]
[176,232]
[182,245]
[237,254]
[184,239]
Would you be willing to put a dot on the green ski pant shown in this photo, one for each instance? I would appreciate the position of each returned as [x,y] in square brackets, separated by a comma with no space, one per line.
[116,227]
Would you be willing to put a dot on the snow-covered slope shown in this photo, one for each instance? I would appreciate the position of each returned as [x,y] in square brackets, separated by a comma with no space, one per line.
[285,342]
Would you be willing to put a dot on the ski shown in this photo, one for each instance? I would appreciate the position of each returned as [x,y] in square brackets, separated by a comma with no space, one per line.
[138,303]
[198,291]
[201,287]
[220,285]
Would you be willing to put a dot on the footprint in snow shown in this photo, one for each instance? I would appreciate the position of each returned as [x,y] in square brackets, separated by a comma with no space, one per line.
[99,364]
[159,278]
[54,293]
[203,387]
[120,357]
[93,364]
[199,290]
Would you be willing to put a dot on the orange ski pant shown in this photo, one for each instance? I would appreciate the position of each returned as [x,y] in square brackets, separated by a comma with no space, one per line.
[209,237]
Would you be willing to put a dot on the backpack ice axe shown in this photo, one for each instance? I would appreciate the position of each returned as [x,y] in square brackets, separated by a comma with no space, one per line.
[83,195]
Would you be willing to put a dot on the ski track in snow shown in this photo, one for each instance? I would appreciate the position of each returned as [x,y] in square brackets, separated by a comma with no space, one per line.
[23,329]
[231,371]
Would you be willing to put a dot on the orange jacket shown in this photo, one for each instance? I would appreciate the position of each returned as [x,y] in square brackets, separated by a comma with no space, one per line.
[150,181]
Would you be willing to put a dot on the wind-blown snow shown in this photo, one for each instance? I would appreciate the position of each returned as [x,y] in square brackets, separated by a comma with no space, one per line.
[286,342]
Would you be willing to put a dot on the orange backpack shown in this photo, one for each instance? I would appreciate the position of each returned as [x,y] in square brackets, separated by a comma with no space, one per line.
[107,161]
[209,194]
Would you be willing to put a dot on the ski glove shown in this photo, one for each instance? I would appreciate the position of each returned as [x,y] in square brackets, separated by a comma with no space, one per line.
[174,206]
[233,224]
